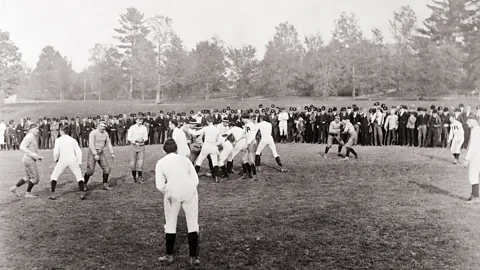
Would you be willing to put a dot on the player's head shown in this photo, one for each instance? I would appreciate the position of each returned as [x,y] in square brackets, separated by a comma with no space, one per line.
[337,119]
[209,120]
[170,146]
[451,118]
[139,120]
[102,125]
[65,130]
[172,124]
[225,122]
[33,129]
[245,118]
[472,122]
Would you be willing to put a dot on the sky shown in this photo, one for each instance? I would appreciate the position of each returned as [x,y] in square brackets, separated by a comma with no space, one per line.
[74,26]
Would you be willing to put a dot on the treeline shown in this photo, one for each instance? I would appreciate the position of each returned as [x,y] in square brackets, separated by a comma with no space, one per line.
[429,58]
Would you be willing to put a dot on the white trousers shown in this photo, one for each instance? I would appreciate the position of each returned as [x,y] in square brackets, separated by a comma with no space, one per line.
[62,165]
[474,170]
[239,146]
[172,208]
[208,149]
[283,128]
[225,153]
[183,151]
[456,145]
[268,141]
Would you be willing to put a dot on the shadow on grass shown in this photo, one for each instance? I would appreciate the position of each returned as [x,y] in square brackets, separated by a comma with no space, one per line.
[439,158]
[436,190]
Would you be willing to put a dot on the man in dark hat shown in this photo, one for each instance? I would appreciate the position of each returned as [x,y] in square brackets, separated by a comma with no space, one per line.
[45,127]
[29,146]
[176,178]
[422,121]
[89,127]
[435,126]
[445,118]
[402,126]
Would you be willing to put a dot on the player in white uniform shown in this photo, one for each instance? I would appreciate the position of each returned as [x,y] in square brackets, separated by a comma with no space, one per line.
[472,159]
[226,146]
[248,159]
[180,138]
[266,140]
[67,154]
[176,178]
[282,124]
[210,146]
[456,137]
[239,143]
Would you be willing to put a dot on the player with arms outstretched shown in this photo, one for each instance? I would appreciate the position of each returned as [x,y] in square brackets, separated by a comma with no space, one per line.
[265,129]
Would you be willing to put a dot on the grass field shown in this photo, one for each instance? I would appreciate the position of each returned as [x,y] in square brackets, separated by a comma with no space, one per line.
[93,108]
[394,208]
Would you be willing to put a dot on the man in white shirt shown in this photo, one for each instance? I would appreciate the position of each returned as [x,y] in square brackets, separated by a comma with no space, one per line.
[210,146]
[456,137]
[239,143]
[67,154]
[177,179]
[180,138]
[137,136]
[472,159]
[248,159]
[266,140]
[282,124]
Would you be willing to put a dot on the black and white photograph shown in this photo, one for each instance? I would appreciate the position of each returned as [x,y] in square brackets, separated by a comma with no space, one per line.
[220,134]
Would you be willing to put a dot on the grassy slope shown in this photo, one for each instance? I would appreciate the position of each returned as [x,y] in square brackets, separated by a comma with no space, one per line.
[93,108]
[324,214]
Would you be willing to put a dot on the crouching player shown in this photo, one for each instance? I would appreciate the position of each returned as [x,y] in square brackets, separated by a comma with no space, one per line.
[456,137]
[67,154]
[334,134]
[352,136]
[177,179]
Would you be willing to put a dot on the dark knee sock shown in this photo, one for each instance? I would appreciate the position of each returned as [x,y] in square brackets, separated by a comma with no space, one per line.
[53,185]
[140,173]
[81,185]
[279,162]
[197,168]
[249,169]
[254,169]
[353,152]
[210,164]
[30,186]
[170,242]
[340,148]
[193,244]
[229,166]
[457,156]
[86,177]
[105,178]
[475,191]
[215,171]
[225,171]
[134,174]
[20,183]
[257,160]
[244,167]
[326,149]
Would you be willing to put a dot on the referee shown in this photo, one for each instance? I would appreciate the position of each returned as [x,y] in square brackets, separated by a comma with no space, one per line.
[137,135]
[177,179]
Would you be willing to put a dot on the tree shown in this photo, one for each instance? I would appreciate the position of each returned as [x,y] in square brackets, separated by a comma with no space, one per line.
[347,32]
[403,29]
[144,65]
[281,62]
[178,70]
[132,30]
[456,24]
[54,72]
[244,69]
[10,64]
[163,34]
[105,74]
[209,63]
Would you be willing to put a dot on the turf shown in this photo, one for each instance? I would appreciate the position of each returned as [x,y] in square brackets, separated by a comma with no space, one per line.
[394,208]
[94,108]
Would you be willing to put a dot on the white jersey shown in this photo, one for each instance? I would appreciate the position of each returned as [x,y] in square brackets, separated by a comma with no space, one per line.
[238,133]
[265,129]
[181,140]
[222,129]
[250,132]
[137,133]
[456,131]
[67,150]
[283,118]
[473,151]
[176,176]
[211,134]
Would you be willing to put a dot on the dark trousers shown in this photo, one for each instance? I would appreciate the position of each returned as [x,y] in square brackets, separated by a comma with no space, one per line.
[322,134]
[45,141]
[411,136]
[444,138]
[120,141]
[402,135]
[161,136]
